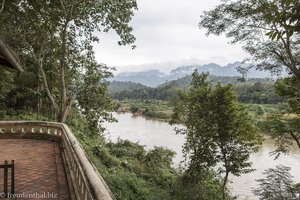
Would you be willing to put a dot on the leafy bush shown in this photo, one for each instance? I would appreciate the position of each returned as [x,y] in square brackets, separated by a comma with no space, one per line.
[278,184]
[134,109]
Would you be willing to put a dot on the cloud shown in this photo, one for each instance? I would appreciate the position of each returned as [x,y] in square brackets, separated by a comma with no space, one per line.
[167,32]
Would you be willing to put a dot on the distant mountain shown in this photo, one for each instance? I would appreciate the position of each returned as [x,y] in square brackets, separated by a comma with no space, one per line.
[150,78]
[212,68]
[154,78]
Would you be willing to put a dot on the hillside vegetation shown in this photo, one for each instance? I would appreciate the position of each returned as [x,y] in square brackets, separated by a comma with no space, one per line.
[252,90]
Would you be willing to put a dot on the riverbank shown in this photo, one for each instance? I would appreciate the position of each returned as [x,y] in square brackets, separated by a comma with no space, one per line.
[157,133]
[151,109]
[163,110]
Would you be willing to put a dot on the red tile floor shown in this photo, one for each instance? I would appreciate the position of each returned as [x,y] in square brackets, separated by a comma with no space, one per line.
[39,168]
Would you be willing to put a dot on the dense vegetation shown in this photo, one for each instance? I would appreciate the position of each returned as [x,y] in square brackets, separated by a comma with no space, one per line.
[269,33]
[63,82]
[118,86]
[277,184]
[218,130]
[254,90]
[131,171]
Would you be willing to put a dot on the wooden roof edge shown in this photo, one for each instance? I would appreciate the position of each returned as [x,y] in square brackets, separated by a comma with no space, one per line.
[8,54]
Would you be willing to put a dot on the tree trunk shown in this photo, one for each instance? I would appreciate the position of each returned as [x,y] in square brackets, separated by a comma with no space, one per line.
[295,138]
[224,186]
[66,111]
[64,106]
[2,6]
[45,82]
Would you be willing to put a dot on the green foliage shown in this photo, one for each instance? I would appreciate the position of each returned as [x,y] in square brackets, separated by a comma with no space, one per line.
[127,149]
[285,130]
[55,41]
[289,88]
[132,172]
[118,86]
[19,94]
[163,93]
[268,31]
[284,127]
[205,187]
[149,108]
[150,112]
[93,97]
[259,91]
[218,130]
[278,184]
[134,109]
[6,86]
[63,82]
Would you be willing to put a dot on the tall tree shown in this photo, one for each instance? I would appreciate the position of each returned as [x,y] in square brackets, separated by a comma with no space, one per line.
[57,37]
[284,128]
[93,97]
[268,31]
[218,130]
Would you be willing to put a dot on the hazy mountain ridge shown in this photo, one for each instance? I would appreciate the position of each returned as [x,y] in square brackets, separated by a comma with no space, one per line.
[184,82]
[154,77]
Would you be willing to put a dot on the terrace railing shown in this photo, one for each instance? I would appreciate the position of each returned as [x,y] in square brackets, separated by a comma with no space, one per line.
[6,167]
[84,179]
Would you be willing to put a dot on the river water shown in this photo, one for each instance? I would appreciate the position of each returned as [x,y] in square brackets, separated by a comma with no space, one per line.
[156,133]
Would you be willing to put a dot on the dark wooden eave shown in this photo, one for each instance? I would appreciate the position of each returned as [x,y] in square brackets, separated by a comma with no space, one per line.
[8,58]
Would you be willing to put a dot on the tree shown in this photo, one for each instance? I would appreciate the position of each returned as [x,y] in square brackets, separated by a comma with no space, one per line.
[268,30]
[6,85]
[218,130]
[270,33]
[287,87]
[284,128]
[93,97]
[57,38]
[278,184]
[204,188]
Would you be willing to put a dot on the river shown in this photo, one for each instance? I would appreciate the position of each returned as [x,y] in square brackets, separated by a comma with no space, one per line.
[156,133]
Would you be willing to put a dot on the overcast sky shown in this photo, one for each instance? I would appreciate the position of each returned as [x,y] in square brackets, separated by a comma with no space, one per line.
[167,36]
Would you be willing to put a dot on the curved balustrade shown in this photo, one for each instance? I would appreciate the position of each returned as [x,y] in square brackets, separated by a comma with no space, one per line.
[83,177]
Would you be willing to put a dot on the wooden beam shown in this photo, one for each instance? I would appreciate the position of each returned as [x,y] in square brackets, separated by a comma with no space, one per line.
[8,58]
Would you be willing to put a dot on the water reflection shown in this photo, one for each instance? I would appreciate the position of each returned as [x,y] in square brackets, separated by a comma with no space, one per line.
[156,133]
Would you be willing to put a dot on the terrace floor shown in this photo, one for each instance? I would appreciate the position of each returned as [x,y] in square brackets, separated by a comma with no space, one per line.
[39,168]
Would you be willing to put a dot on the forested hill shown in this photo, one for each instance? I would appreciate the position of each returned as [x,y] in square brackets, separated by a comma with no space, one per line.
[252,90]
[234,80]
[118,86]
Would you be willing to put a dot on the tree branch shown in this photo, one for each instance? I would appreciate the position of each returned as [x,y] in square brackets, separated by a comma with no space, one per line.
[2,6]
[62,71]
[295,138]
[66,111]
[287,45]
[45,82]
[280,56]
